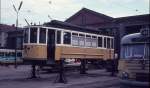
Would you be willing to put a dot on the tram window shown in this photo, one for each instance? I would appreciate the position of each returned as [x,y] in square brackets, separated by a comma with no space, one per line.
[94,41]
[75,39]
[128,51]
[8,54]
[88,41]
[105,42]
[19,54]
[112,43]
[108,43]
[26,35]
[67,37]
[93,36]
[1,54]
[74,34]
[33,35]
[81,40]
[12,54]
[42,38]
[58,37]
[88,36]
[99,41]
[138,51]
[147,51]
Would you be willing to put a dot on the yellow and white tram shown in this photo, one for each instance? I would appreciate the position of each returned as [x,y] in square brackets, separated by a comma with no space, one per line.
[52,42]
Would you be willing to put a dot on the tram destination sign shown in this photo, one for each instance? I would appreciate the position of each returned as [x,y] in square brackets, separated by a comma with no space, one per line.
[141,40]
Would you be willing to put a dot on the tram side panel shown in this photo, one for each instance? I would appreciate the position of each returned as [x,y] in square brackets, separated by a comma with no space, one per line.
[35,52]
[82,53]
[39,52]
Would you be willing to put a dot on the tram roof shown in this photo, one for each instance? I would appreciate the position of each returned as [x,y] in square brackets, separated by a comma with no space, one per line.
[68,26]
[134,38]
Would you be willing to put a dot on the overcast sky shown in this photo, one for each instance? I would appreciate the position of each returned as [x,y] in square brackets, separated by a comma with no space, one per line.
[38,10]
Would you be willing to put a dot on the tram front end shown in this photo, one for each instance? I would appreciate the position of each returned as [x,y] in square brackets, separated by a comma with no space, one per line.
[134,63]
[34,46]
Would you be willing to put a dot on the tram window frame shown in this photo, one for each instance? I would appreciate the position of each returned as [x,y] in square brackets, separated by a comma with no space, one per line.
[58,37]
[26,35]
[112,43]
[42,38]
[33,36]
[128,52]
[105,42]
[66,38]
[89,43]
[94,40]
[81,40]
[147,50]
[75,39]
[100,41]
[108,43]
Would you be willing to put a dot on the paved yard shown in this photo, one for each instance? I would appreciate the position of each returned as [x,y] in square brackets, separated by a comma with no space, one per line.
[17,78]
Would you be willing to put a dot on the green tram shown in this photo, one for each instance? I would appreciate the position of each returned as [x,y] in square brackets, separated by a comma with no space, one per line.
[134,63]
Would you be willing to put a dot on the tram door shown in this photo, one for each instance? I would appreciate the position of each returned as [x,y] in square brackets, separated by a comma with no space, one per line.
[51,45]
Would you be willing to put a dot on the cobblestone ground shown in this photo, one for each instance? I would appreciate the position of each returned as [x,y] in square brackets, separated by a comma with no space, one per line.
[17,78]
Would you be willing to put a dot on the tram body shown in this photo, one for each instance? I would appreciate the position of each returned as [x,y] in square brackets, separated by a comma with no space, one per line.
[46,44]
[134,63]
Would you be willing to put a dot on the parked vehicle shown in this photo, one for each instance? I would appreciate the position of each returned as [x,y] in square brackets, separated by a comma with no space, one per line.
[134,62]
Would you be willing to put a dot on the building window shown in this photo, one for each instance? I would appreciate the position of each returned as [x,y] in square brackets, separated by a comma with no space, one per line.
[26,33]
[75,39]
[58,37]
[99,41]
[42,38]
[67,37]
[88,41]
[33,35]
[81,40]
[105,42]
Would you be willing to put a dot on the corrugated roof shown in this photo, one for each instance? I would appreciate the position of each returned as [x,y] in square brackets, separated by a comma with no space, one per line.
[144,17]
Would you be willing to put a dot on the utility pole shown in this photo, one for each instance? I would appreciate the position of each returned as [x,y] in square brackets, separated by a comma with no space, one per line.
[17,14]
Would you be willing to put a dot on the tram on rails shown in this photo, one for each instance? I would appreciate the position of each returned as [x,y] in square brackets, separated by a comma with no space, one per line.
[56,41]
[134,63]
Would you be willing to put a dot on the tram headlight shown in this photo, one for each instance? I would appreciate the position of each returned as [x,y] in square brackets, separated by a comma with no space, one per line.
[125,75]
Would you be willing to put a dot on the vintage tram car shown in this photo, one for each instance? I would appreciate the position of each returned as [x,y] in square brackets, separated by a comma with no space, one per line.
[55,41]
